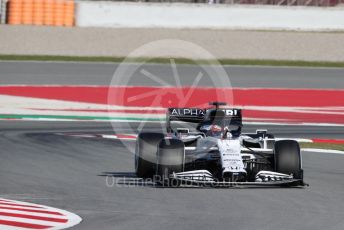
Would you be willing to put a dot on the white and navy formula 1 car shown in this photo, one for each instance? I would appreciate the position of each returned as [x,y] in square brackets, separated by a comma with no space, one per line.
[216,153]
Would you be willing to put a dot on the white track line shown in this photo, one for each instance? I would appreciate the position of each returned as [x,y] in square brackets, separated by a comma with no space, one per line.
[131,121]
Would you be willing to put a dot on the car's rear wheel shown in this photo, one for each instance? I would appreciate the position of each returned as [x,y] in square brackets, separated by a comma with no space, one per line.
[145,154]
[170,159]
[288,158]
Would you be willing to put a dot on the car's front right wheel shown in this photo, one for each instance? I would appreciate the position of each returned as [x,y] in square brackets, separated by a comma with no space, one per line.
[288,158]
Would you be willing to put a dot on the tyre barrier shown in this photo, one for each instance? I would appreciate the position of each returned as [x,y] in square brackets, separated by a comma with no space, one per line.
[41,12]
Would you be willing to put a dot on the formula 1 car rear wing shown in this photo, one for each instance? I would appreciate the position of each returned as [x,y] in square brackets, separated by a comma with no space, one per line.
[231,116]
[193,115]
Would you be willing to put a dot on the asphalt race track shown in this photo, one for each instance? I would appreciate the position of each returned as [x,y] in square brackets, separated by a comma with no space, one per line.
[77,174]
[39,73]
[70,173]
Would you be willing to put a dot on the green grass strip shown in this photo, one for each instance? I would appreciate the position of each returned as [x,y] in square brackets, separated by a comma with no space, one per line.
[177,60]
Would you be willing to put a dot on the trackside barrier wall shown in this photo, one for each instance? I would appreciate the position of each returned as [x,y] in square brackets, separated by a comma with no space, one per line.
[162,15]
[41,12]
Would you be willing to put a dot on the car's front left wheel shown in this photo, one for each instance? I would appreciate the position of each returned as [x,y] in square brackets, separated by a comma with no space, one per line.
[145,153]
[170,159]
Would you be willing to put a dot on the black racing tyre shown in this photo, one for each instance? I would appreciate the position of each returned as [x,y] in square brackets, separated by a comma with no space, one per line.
[288,158]
[145,153]
[170,159]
